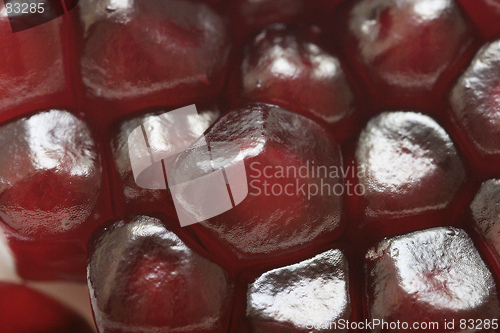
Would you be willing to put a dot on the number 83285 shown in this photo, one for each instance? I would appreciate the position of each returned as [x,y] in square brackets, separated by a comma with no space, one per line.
[24,8]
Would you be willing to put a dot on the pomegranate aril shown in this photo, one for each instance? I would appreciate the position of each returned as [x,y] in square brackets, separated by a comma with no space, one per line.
[279,66]
[268,226]
[312,293]
[143,278]
[25,310]
[486,216]
[141,54]
[409,171]
[475,102]
[162,133]
[51,195]
[434,275]
[392,44]
[32,72]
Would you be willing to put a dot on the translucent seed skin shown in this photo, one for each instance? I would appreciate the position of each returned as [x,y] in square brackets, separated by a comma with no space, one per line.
[409,171]
[129,197]
[429,276]
[392,46]
[51,192]
[485,210]
[272,139]
[312,293]
[141,54]
[475,102]
[142,277]
[282,67]
[32,68]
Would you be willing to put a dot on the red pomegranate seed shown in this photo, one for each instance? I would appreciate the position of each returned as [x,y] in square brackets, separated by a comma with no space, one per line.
[486,216]
[52,193]
[281,67]
[401,49]
[142,278]
[409,171]
[310,296]
[285,211]
[475,101]
[162,134]
[141,54]
[32,68]
[430,276]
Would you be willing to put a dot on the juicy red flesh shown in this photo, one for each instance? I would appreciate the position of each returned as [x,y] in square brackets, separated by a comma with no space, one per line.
[117,64]
[143,277]
[25,310]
